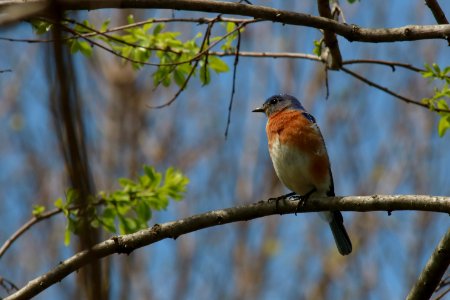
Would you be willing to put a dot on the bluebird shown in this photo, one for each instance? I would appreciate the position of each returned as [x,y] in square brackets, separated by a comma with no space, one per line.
[300,158]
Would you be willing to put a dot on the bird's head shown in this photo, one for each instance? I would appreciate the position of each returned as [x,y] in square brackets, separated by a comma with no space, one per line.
[278,103]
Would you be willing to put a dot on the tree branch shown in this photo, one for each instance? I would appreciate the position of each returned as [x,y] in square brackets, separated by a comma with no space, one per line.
[350,32]
[438,14]
[25,227]
[128,243]
[434,270]
[388,91]
[329,37]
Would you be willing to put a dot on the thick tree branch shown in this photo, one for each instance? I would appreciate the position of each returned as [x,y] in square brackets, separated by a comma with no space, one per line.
[350,32]
[329,37]
[128,243]
[434,270]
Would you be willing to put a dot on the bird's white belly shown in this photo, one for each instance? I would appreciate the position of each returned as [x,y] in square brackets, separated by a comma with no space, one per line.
[292,167]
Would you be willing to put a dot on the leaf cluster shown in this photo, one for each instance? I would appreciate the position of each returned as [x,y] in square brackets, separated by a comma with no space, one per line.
[441,94]
[150,44]
[127,209]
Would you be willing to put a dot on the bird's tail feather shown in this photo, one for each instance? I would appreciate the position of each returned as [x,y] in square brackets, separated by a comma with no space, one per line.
[340,235]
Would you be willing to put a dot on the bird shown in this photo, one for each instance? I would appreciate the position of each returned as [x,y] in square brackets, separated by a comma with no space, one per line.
[300,158]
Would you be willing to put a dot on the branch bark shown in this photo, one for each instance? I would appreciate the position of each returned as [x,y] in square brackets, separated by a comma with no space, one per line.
[437,11]
[350,32]
[128,243]
[434,270]
[329,37]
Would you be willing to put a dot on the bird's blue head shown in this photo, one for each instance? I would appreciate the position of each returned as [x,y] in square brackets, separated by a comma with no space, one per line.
[278,103]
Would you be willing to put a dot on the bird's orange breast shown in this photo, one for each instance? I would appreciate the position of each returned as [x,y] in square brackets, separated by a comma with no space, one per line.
[290,128]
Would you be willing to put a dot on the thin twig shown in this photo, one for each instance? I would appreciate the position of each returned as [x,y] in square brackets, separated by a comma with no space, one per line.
[25,227]
[313,57]
[444,282]
[5,70]
[269,55]
[119,40]
[8,285]
[391,64]
[36,219]
[388,91]
[441,296]
[188,20]
[327,86]
[180,90]
[236,60]
[128,26]
[194,58]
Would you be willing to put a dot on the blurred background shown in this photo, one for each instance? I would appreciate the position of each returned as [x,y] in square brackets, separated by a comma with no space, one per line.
[377,145]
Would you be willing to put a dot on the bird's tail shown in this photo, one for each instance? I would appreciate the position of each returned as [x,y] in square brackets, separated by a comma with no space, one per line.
[340,235]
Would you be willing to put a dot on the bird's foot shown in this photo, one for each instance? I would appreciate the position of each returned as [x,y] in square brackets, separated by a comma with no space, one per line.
[283,197]
[302,199]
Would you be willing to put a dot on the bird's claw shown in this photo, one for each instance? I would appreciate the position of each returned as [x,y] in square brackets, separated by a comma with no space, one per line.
[302,200]
[283,197]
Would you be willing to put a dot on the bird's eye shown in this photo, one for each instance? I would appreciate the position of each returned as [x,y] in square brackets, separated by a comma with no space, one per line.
[274,101]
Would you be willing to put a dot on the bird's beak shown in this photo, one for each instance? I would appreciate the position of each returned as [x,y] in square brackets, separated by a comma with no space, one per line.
[258,109]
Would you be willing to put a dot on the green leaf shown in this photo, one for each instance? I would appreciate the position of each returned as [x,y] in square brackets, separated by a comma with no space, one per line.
[124,182]
[59,203]
[443,125]
[446,70]
[70,228]
[38,210]
[218,65]
[436,69]
[74,46]
[127,225]
[143,211]
[40,26]
[67,237]
[158,29]
[85,48]
[105,25]
[108,218]
[71,196]
[179,77]
[317,50]
[130,19]
[147,26]
[230,26]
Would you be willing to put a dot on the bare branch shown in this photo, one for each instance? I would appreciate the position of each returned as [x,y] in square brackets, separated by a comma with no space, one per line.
[437,11]
[434,270]
[25,227]
[233,87]
[391,64]
[350,32]
[438,14]
[329,37]
[388,91]
[128,243]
